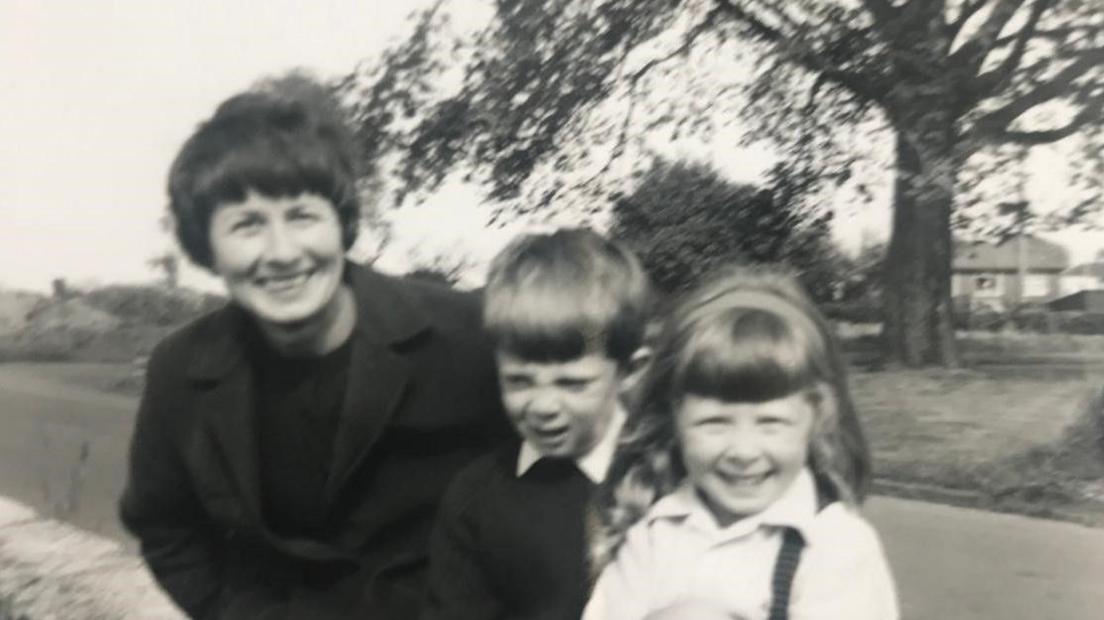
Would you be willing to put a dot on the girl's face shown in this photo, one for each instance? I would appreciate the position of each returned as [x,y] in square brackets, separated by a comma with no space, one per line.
[741,457]
[281,258]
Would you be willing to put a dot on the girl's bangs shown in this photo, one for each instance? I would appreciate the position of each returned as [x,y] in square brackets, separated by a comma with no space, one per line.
[752,357]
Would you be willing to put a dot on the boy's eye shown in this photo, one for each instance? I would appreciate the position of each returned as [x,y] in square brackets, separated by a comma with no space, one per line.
[574,384]
[515,382]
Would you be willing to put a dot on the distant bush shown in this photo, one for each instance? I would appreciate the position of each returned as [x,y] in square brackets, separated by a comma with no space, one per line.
[1081,322]
[152,305]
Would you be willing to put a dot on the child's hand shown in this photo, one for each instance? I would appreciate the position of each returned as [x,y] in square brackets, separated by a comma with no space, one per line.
[691,610]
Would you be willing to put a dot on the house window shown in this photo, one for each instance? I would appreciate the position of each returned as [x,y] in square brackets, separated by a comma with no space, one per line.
[987,286]
[1036,285]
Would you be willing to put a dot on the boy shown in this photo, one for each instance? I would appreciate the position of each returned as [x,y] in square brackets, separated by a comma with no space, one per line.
[567,313]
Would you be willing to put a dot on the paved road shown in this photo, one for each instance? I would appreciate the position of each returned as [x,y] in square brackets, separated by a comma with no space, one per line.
[950,563]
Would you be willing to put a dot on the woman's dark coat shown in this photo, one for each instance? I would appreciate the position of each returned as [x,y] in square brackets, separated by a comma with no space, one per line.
[421,402]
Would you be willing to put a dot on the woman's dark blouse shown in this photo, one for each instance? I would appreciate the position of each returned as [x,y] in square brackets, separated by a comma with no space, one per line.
[298,411]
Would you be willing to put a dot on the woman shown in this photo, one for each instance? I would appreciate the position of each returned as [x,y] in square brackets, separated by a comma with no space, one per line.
[291,448]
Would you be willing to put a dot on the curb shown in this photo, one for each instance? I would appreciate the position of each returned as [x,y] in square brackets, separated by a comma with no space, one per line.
[53,571]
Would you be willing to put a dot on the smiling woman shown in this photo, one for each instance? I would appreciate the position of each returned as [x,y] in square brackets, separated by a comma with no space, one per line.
[291,448]
[281,260]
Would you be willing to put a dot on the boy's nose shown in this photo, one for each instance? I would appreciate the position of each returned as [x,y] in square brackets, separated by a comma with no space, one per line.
[544,406]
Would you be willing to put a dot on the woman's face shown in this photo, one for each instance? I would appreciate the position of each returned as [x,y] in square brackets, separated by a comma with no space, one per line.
[741,457]
[281,258]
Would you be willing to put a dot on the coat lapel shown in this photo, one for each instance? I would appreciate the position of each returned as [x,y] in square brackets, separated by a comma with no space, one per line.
[226,403]
[378,371]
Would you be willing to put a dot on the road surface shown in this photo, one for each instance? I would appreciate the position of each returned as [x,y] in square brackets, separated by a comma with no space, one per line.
[950,563]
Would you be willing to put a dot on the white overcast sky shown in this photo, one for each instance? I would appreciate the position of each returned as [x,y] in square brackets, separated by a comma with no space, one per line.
[97,95]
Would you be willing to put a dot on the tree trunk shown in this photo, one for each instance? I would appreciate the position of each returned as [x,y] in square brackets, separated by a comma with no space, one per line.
[919,327]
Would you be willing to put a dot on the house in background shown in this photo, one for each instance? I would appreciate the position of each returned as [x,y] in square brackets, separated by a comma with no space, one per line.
[1002,276]
[1082,288]
[1083,277]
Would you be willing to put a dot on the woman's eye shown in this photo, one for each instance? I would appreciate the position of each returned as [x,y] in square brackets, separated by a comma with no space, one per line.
[302,215]
[245,225]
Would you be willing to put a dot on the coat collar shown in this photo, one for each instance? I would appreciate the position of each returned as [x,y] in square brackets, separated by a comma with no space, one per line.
[387,317]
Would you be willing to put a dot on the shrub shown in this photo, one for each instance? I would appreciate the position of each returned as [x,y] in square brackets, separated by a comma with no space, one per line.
[152,305]
[1081,322]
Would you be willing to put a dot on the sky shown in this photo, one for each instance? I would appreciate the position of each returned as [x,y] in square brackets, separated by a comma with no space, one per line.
[98,95]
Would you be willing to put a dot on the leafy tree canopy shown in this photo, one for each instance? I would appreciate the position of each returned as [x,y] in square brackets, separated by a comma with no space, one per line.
[560,103]
[685,220]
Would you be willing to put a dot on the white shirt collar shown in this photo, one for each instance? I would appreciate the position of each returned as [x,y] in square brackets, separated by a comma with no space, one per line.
[593,464]
[796,508]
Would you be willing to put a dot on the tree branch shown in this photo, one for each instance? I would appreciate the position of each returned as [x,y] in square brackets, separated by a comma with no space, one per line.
[883,11]
[996,79]
[968,10]
[864,86]
[1089,114]
[972,53]
[708,22]
[998,120]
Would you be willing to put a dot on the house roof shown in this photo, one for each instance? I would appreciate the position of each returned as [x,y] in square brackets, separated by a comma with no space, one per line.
[984,256]
[1095,270]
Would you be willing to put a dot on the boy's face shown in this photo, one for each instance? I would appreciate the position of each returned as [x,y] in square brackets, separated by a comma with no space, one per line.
[562,408]
[742,457]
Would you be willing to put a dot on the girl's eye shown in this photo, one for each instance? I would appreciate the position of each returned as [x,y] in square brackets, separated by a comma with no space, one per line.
[573,385]
[711,423]
[772,422]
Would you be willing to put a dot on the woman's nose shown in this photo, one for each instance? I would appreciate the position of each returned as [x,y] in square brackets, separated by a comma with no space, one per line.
[280,244]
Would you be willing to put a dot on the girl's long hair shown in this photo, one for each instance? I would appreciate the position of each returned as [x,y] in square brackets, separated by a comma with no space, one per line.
[751,335]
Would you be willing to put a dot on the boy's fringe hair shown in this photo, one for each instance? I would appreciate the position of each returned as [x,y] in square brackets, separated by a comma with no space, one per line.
[556,296]
[713,346]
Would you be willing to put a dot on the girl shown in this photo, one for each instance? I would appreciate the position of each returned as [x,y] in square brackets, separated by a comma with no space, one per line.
[734,490]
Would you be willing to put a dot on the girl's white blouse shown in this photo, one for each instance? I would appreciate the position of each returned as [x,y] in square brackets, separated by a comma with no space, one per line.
[677,553]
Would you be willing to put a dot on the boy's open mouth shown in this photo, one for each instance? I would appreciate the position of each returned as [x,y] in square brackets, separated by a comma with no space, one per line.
[552,434]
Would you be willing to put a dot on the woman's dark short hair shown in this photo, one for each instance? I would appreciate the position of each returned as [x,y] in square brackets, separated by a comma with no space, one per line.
[282,139]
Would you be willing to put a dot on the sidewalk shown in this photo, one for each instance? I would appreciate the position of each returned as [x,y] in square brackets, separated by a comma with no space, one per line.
[965,564]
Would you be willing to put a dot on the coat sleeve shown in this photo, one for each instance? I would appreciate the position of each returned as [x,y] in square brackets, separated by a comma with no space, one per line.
[160,508]
[458,586]
[181,546]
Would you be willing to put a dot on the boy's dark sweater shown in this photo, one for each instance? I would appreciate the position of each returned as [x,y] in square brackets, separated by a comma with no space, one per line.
[511,547]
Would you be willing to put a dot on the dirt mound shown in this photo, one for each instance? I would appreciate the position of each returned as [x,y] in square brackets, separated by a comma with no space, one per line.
[15,306]
[109,324]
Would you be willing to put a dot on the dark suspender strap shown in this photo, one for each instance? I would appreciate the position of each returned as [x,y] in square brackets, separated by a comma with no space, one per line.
[785,567]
